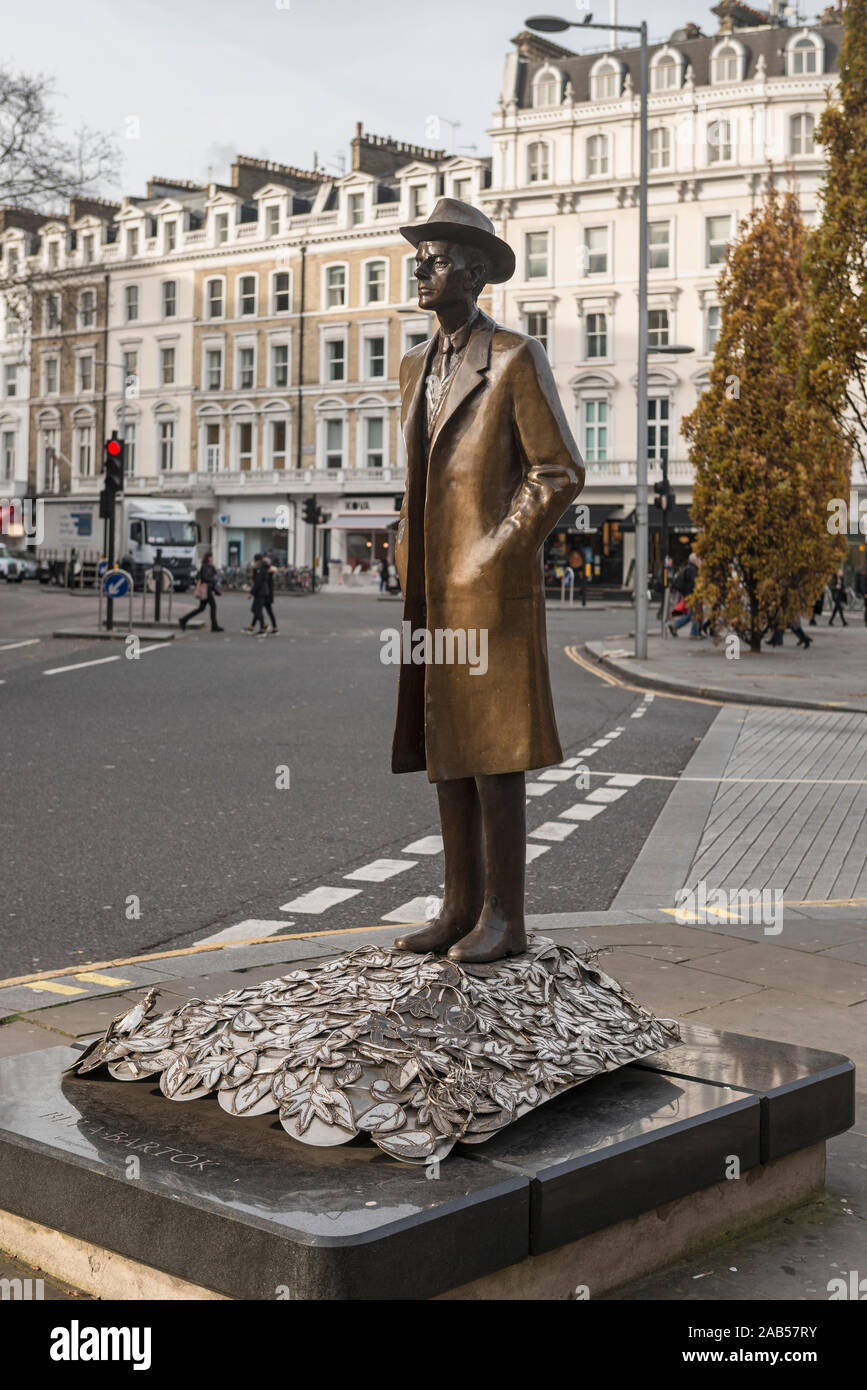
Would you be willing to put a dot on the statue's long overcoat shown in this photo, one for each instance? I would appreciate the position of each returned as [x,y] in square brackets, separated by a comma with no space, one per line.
[500,470]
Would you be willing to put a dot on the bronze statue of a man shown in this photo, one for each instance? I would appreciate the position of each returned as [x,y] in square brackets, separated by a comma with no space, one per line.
[491,467]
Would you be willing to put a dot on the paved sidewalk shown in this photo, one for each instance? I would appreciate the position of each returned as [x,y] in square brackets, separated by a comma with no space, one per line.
[832,674]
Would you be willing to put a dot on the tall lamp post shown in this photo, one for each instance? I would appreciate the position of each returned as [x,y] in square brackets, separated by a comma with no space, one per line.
[551,24]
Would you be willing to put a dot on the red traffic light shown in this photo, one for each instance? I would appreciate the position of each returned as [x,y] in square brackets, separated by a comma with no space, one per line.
[113,446]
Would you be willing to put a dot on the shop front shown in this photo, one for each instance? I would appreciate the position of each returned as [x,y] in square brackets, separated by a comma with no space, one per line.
[587,539]
[355,542]
[250,526]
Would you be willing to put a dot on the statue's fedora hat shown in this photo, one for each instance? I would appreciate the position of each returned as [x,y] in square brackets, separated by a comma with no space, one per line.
[452,220]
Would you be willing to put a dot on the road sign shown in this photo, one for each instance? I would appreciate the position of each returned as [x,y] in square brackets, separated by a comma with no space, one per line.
[101,568]
[116,584]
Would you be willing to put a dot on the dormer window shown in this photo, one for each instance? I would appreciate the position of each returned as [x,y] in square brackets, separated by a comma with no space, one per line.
[665,71]
[221,228]
[805,55]
[272,220]
[355,208]
[606,80]
[87,249]
[171,230]
[53,255]
[547,87]
[132,242]
[727,63]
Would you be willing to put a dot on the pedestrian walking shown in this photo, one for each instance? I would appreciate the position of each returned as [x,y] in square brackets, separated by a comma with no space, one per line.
[205,591]
[838,597]
[262,595]
[383,575]
[683,581]
[861,589]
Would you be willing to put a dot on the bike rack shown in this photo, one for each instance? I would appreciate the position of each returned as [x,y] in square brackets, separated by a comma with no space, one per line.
[102,580]
[168,584]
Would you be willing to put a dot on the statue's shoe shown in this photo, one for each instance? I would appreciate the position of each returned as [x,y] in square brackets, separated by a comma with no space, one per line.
[436,936]
[489,941]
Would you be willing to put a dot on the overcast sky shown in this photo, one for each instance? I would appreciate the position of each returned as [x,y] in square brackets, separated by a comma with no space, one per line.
[282,79]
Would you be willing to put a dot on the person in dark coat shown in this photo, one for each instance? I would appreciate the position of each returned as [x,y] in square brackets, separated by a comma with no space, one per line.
[838,595]
[263,595]
[205,591]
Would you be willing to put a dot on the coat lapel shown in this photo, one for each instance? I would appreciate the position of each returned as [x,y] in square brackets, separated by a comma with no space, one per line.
[413,396]
[470,373]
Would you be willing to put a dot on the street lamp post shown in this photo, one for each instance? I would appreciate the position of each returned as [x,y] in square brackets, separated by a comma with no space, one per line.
[551,24]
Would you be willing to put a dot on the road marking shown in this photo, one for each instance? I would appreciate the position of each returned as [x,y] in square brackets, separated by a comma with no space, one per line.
[572,762]
[204,948]
[378,870]
[10,646]
[606,794]
[533,852]
[242,932]
[557,774]
[415,911]
[581,811]
[52,987]
[79,665]
[539,788]
[154,647]
[93,977]
[319,899]
[574,655]
[552,830]
[587,752]
[428,844]
[624,779]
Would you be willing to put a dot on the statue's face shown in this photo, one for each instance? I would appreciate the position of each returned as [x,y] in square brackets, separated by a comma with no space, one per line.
[443,278]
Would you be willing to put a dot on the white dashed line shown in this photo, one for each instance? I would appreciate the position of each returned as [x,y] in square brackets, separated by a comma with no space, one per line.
[581,811]
[319,899]
[80,665]
[378,870]
[587,752]
[555,774]
[243,931]
[606,794]
[539,788]
[624,779]
[429,844]
[533,852]
[413,911]
[10,646]
[552,830]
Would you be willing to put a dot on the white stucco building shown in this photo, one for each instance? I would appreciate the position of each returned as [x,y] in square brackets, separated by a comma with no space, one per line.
[564,192]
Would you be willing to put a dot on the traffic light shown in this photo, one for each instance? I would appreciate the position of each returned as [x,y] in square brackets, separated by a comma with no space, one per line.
[311,512]
[114,451]
[663,498]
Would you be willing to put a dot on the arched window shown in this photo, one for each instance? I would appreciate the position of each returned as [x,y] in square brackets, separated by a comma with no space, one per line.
[547,87]
[805,53]
[606,80]
[598,157]
[538,162]
[727,62]
[666,71]
[659,148]
[719,142]
[802,134]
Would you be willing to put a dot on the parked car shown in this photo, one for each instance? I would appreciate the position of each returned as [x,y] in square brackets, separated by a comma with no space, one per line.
[16,565]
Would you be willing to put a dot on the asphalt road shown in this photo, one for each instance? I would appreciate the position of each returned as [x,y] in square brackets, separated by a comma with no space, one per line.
[141,808]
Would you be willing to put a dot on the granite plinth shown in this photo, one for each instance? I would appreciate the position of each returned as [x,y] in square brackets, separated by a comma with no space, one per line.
[806,1095]
[235,1206]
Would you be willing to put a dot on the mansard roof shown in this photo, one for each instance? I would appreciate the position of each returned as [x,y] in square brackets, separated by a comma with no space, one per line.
[767,41]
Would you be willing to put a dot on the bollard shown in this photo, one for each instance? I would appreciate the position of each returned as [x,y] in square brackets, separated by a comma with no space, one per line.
[158,583]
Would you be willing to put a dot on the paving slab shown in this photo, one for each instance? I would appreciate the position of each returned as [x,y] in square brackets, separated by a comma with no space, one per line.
[818,976]
[673,990]
[793,1018]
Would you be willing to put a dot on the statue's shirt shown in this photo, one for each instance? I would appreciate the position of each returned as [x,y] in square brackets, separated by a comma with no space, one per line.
[444,365]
